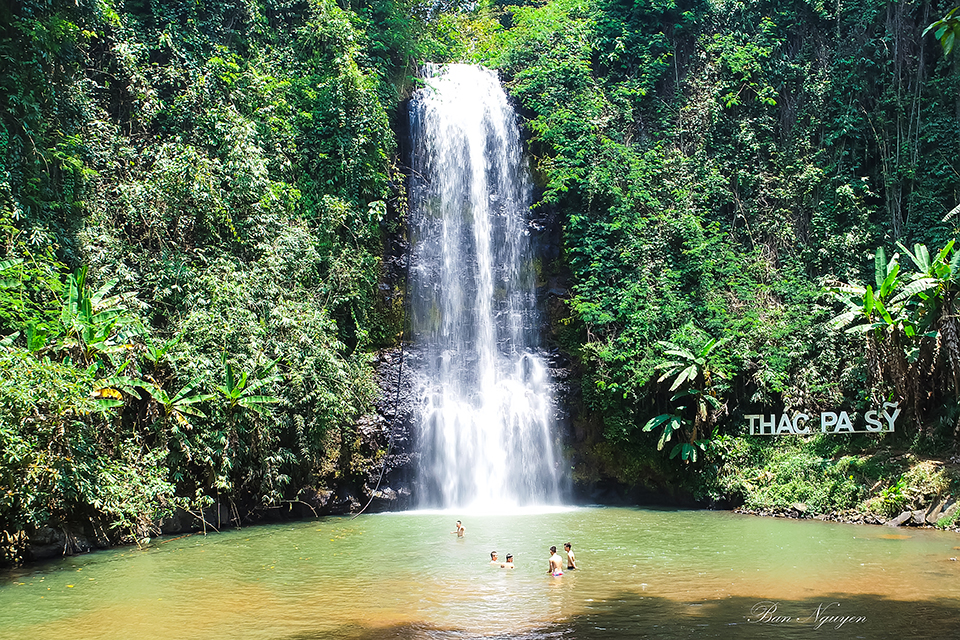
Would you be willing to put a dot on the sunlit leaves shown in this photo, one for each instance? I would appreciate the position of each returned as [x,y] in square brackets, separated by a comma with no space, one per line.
[238,390]
[946,30]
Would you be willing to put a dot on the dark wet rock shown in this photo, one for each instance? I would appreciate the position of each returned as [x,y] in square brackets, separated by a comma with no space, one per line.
[346,503]
[178,522]
[46,542]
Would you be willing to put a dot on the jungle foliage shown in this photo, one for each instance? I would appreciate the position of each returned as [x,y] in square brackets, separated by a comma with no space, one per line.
[193,197]
[726,170]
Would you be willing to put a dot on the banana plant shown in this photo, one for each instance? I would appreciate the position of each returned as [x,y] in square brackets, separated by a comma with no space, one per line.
[883,308]
[697,390]
[693,368]
[897,318]
[936,314]
[155,355]
[95,324]
[5,265]
[109,392]
[240,391]
[178,406]
[938,281]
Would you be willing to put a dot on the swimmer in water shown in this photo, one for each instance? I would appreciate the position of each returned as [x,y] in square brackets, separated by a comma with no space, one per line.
[493,558]
[556,563]
[571,559]
[509,563]
[460,530]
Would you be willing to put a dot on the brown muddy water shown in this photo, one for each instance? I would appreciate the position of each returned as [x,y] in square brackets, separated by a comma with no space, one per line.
[642,573]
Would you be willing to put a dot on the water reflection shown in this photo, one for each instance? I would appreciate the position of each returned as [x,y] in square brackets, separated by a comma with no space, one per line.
[629,615]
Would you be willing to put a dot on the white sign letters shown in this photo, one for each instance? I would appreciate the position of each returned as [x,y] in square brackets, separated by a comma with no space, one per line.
[830,422]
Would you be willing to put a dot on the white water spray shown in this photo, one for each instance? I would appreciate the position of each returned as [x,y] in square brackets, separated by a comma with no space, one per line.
[485,425]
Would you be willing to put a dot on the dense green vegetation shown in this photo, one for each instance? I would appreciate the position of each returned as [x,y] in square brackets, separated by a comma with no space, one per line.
[757,201]
[193,198]
[721,167]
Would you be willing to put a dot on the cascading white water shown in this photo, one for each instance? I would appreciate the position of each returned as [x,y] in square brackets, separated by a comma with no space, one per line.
[485,433]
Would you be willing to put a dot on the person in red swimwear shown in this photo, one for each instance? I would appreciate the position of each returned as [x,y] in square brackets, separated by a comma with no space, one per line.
[556,563]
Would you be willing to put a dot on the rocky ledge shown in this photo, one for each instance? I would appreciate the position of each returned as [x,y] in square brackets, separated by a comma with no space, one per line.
[940,514]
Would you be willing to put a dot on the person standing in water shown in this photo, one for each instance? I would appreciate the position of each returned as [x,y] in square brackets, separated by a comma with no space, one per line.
[460,530]
[509,563]
[556,563]
[493,558]
[571,559]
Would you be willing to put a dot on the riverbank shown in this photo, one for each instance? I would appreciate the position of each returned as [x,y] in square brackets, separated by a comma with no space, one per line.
[824,479]
[839,482]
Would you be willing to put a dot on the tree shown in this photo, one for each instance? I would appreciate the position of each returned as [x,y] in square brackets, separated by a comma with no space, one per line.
[938,285]
[178,406]
[909,324]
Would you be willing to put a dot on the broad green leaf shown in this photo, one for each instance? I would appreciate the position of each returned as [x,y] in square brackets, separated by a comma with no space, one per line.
[955,265]
[915,287]
[7,264]
[849,288]
[880,266]
[681,353]
[861,328]
[228,375]
[883,312]
[690,373]
[655,422]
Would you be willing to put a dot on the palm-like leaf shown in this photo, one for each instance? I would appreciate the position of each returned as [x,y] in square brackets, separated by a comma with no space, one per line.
[181,404]
[240,392]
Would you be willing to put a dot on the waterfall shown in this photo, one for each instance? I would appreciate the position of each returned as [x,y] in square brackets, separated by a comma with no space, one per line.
[485,421]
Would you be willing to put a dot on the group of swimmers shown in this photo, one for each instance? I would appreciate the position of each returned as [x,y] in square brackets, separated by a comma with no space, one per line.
[495,560]
[556,562]
[554,568]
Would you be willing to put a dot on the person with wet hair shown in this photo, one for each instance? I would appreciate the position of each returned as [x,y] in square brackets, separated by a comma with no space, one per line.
[509,563]
[556,563]
[571,559]
[493,558]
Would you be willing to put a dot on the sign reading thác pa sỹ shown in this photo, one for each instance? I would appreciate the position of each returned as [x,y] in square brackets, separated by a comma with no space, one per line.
[799,423]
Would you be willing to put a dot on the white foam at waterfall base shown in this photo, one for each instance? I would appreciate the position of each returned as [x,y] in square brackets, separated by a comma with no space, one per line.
[485,424]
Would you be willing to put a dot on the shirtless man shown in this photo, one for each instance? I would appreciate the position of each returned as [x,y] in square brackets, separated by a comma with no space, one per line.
[509,563]
[556,563]
[571,559]
[493,558]
[460,530]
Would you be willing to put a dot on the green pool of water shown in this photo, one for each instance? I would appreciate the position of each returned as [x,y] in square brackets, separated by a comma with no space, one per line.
[642,573]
